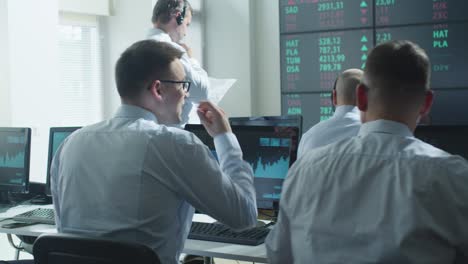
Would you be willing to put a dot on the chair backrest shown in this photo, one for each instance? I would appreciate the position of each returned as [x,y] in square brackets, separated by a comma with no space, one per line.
[77,249]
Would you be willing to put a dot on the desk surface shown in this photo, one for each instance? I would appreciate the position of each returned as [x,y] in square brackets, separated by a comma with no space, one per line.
[194,247]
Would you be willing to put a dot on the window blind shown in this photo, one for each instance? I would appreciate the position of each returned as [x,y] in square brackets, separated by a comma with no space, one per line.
[80,69]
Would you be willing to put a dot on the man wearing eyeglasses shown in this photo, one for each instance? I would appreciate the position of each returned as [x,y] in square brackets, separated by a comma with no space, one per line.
[133,178]
[171,20]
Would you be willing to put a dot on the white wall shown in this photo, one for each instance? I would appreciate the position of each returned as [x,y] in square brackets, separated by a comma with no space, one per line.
[129,23]
[228,51]
[242,42]
[94,7]
[266,92]
[5,101]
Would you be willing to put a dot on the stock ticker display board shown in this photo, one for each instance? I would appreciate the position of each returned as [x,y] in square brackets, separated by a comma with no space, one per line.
[315,106]
[403,12]
[321,38]
[314,15]
[311,62]
[446,46]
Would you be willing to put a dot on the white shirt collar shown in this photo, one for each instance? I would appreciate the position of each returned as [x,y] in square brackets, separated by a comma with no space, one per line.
[159,35]
[132,111]
[386,127]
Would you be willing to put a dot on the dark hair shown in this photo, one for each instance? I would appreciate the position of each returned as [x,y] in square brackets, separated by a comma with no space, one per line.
[398,67]
[141,64]
[164,9]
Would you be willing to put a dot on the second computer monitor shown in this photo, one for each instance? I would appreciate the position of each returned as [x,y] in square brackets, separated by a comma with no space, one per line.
[270,150]
[56,136]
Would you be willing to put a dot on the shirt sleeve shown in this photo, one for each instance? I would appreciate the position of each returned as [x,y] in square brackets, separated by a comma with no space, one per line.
[452,197]
[54,182]
[300,149]
[198,78]
[307,143]
[224,191]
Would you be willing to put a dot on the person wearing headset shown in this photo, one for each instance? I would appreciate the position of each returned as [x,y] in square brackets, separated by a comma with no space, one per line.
[171,20]
[344,123]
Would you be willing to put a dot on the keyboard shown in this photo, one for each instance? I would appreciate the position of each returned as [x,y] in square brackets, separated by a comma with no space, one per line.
[40,216]
[222,233]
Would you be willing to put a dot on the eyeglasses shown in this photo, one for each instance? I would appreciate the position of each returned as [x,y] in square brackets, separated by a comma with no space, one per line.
[185,84]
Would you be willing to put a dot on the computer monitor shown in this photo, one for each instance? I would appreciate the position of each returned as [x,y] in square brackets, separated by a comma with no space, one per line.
[452,139]
[283,120]
[56,136]
[270,150]
[15,148]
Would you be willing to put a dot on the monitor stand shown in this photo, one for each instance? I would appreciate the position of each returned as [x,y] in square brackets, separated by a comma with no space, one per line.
[5,201]
[41,199]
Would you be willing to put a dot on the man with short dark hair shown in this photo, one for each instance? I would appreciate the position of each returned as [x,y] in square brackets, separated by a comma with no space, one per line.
[171,20]
[382,196]
[344,123]
[133,178]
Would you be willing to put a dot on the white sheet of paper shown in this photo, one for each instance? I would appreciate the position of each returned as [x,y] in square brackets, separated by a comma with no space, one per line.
[218,89]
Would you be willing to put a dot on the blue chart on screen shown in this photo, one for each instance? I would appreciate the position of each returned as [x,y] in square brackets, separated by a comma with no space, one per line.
[269,151]
[14,159]
[12,154]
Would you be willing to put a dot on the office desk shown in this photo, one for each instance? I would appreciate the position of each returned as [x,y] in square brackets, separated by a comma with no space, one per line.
[193,247]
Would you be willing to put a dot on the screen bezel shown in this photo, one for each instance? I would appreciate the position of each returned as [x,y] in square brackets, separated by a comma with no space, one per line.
[295,121]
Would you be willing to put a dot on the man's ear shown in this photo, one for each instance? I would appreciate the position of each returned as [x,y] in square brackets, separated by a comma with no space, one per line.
[361,97]
[428,100]
[156,90]
[334,98]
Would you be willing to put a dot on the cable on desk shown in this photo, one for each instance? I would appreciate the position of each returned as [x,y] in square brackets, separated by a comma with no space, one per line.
[10,240]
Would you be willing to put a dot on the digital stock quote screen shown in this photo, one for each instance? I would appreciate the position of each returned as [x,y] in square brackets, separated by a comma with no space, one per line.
[321,38]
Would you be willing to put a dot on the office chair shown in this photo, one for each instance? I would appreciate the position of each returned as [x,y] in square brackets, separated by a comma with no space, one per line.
[76,249]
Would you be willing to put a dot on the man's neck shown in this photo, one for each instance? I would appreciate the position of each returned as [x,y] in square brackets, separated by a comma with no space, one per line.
[136,103]
[162,27]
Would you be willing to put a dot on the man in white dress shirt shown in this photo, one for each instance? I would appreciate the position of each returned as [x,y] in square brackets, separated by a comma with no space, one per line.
[382,196]
[346,120]
[133,178]
[171,20]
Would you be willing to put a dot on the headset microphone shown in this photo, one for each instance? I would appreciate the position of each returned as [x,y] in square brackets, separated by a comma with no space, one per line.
[180,17]
[334,90]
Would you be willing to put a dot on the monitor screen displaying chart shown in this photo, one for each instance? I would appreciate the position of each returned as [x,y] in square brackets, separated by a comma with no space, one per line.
[14,159]
[270,150]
